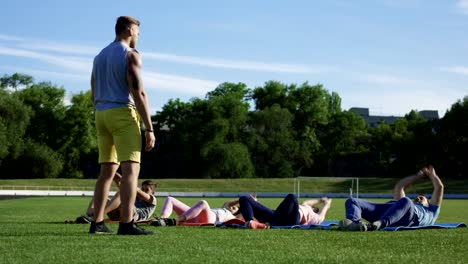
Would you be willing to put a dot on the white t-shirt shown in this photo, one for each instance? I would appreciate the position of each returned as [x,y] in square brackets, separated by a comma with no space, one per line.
[222,214]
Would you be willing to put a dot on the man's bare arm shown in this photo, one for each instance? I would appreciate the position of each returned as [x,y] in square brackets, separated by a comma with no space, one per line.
[144,196]
[135,83]
[400,187]
[438,192]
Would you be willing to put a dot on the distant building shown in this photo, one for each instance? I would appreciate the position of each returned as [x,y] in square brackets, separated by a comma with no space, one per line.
[373,121]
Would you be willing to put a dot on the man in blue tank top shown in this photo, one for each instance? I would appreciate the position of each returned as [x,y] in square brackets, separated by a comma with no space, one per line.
[401,211]
[120,102]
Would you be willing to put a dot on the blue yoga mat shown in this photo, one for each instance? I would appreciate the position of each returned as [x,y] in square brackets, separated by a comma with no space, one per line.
[434,226]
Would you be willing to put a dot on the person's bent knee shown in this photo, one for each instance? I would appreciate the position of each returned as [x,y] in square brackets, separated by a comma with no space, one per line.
[243,199]
[350,201]
[405,200]
[170,199]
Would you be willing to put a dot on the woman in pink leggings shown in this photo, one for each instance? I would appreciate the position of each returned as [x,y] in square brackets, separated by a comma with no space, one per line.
[200,212]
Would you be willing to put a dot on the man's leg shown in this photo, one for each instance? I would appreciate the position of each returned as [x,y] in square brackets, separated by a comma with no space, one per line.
[400,214]
[287,212]
[101,191]
[113,204]
[252,209]
[128,189]
[357,209]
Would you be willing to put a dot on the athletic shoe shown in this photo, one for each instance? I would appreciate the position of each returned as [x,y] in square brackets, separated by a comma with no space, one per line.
[99,228]
[163,222]
[84,219]
[373,226]
[158,222]
[348,225]
[132,229]
[252,224]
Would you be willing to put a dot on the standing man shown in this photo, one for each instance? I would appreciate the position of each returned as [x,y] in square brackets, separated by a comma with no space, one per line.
[118,97]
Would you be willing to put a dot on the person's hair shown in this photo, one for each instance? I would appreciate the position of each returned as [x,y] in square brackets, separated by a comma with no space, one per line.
[149,182]
[237,212]
[123,22]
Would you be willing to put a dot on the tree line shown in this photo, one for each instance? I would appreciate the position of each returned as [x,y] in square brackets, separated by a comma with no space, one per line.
[275,130]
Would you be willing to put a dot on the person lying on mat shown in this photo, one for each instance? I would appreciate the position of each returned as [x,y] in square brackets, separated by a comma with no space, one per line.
[145,203]
[289,212]
[200,212]
[401,211]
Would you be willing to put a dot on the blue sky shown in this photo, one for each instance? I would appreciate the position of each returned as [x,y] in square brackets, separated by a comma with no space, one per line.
[390,56]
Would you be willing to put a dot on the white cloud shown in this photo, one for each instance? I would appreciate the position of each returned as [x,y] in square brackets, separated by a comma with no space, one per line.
[457,69]
[463,6]
[28,45]
[72,63]
[239,65]
[386,79]
[58,47]
[177,84]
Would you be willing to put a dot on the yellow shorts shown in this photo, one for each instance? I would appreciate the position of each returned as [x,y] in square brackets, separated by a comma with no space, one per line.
[118,135]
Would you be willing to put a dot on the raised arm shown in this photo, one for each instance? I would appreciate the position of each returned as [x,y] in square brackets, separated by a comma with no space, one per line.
[135,83]
[311,202]
[144,196]
[438,192]
[326,205]
[400,187]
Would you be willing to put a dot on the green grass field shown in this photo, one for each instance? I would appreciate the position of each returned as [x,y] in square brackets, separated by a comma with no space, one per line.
[32,230]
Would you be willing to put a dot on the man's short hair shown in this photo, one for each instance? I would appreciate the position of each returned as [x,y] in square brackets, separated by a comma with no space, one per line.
[123,23]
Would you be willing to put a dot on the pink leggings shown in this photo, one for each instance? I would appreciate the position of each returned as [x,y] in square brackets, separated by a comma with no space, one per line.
[198,213]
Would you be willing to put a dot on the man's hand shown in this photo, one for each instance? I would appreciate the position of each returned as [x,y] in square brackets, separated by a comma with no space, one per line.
[150,140]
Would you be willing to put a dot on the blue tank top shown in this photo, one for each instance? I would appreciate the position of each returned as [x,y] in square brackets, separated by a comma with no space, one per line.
[110,77]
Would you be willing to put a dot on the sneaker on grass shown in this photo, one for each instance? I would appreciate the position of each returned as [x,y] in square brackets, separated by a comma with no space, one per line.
[163,222]
[132,229]
[99,228]
[348,225]
[84,219]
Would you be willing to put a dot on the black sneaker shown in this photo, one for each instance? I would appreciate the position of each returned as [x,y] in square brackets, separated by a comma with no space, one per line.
[370,226]
[170,221]
[84,219]
[163,222]
[132,229]
[99,228]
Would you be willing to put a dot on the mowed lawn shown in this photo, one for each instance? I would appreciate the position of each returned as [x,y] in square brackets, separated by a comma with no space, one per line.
[32,230]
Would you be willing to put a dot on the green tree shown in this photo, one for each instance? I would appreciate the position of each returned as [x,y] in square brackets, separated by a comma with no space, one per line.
[15,81]
[202,128]
[78,135]
[274,151]
[272,93]
[48,113]
[453,140]
[14,120]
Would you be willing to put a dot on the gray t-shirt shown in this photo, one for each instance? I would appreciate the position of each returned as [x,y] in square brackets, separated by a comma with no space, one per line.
[144,210]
